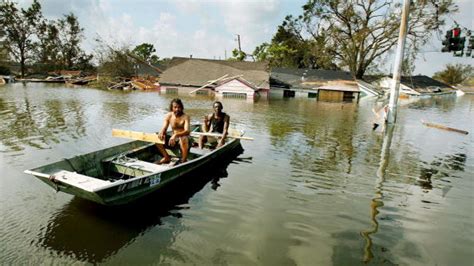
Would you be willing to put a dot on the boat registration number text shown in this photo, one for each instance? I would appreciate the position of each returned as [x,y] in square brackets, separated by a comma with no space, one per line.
[150,180]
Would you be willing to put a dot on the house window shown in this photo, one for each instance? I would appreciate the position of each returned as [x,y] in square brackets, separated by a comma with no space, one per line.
[171,90]
[202,92]
[234,95]
[288,94]
[348,96]
[312,95]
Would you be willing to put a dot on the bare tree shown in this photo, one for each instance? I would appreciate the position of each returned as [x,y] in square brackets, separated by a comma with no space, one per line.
[358,32]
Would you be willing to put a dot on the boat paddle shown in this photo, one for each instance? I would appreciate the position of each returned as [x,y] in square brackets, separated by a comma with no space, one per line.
[127,134]
[153,137]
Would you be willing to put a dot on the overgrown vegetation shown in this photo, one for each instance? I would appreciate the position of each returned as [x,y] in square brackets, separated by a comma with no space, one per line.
[114,62]
[455,74]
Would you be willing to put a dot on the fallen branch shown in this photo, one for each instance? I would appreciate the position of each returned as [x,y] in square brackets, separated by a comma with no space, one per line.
[209,83]
[444,127]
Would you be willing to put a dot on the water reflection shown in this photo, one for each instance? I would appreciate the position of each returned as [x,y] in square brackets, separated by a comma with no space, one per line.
[377,200]
[27,124]
[91,233]
[441,167]
[116,111]
[444,103]
[317,148]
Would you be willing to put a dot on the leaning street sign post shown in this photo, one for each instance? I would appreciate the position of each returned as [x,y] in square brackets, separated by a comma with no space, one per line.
[397,67]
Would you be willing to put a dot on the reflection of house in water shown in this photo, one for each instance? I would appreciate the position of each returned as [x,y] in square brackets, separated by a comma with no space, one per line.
[325,85]
[228,79]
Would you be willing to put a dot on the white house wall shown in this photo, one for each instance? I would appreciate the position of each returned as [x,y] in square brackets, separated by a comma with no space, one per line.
[235,86]
[387,83]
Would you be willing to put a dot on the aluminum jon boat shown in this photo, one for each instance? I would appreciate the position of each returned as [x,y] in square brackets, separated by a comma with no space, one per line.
[126,172]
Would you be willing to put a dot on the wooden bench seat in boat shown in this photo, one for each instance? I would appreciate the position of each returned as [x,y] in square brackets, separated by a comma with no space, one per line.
[199,151]
[84,182]
[134,167]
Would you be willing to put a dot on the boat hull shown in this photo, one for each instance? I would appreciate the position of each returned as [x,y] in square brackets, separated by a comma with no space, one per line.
[61,175]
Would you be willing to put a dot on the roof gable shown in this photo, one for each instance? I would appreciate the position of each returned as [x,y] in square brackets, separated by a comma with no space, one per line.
[238,79]
[235,85]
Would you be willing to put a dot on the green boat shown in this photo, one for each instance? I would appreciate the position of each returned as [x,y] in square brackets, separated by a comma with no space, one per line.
[124,173]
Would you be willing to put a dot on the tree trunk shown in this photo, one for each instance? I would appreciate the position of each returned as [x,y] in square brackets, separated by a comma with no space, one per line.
[22,66]
[360,73]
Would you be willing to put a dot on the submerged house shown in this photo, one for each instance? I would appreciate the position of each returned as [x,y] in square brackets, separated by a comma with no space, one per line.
[369,88]
[222,78]
[325,85]
[418,86]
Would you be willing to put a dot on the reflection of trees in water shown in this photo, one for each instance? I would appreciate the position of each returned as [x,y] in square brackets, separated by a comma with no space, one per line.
[326,143]
[24,124]
[91,233]
[117,111]
[439,168]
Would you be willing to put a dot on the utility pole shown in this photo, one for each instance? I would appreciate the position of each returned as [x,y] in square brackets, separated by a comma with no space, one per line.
[397,67]
[238,41]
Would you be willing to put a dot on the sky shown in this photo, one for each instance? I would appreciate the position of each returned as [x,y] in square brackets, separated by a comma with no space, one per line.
[209,28]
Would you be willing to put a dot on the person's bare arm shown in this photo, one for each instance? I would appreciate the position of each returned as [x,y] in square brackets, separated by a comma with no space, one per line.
[184,132]
[166,123]
[225,131]
[206,125]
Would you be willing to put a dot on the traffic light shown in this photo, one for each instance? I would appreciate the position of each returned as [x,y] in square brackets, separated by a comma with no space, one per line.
[457,43]
[470,44]
[453,42]
[446,42]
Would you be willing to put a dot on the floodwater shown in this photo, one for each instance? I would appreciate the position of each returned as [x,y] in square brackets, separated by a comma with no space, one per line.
[316,187]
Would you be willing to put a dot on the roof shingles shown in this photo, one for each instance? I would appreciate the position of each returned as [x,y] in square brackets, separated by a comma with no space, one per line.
[198,72]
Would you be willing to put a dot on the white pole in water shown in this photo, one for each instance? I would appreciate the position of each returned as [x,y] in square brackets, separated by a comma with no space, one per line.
[397,67]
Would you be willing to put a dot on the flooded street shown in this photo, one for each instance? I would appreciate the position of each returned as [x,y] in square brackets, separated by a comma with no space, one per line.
[315,187]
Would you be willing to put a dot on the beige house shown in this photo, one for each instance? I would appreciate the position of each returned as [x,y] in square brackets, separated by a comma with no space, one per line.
[323,85]
[339,91]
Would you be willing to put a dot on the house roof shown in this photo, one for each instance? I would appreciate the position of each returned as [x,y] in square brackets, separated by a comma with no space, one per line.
[370,88]
[307,78]
[422,82]
[198,72]
[340,87]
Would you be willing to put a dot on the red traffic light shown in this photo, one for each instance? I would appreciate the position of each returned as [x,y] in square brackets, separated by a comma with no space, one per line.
[456,32]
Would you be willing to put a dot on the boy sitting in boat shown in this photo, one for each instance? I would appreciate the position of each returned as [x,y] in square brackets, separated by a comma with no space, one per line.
[179,122]
[217,122]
